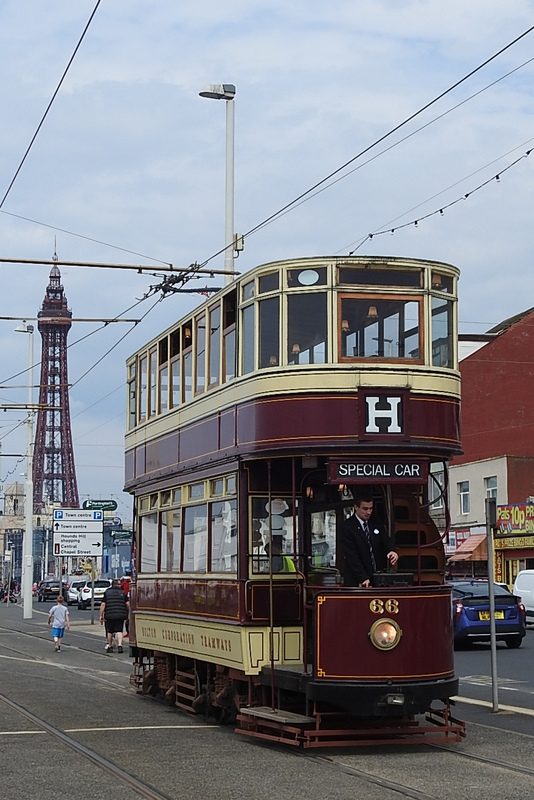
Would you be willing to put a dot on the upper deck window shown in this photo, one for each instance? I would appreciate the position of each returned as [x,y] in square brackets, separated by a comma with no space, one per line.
[229,326]
[441,282]
[376,327]
[268,283]
[132,397]
[215,344]
[187,362]
[269,319]
[153,367]
[163,381]
[368,276]
[247,339]
[248,291]
[143,388]
[442,351]
[311,276]
[200,372]
[307,328]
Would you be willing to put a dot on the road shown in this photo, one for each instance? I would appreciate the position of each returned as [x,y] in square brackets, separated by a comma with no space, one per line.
[70,724]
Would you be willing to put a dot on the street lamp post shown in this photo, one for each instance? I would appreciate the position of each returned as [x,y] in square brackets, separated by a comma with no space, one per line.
[226,91]
[27,542]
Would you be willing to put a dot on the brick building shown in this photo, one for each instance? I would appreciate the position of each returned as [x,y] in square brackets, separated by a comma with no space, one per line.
[497,428]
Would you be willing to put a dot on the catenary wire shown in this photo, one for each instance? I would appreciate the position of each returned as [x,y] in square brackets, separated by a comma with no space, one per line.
[369,147]
[49,106]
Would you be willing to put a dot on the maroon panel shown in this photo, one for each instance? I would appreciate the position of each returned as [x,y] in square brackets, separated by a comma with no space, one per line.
[287,602]
[227,429]
[318,422]
[129,466]
[343,645]
[189,596]
[140,462]
[199,440]
[162,453]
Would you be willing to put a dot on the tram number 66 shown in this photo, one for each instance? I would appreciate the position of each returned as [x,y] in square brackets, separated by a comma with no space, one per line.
[390,606]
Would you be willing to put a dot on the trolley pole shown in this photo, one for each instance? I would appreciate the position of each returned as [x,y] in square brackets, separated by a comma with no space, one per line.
[491,521]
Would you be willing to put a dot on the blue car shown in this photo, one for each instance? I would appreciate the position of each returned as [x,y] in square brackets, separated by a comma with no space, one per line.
[471,614]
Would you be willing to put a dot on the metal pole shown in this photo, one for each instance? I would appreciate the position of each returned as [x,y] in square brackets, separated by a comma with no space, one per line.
[490,524]
[27,548]
[229,192]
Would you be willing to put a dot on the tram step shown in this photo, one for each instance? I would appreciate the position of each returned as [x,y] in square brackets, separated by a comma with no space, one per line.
[277,715]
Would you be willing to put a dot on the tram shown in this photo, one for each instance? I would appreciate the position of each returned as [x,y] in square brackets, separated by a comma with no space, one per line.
[254,421]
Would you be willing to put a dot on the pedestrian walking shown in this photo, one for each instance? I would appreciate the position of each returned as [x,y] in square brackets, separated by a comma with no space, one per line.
[59,619]
[114,612]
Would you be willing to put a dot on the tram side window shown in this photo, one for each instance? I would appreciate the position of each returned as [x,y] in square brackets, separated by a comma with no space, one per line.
[269,313]
[153,372]
[271,519]
[200,371]
[163,381]
[380,328]
[195,538]
[170,541]
[149,543]
[442,355]
[215,343]
[306,328]
[323,538]
[223,524]
[247,339]
[187,362]
[175,369]
[132,397]
[229,325]
[143,388]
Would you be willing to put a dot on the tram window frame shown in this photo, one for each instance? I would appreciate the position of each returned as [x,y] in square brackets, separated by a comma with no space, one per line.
[374,303]
[248,339]
[189,514]
[381,276]
[200,342]
[142,386]
[228,515]
[300,347]
[132,395]
[152,381]
[170,546]
[302,277]
[259,514]
[269,282]
[187,362]
[269,332]
[163,375]
[229,323]
[175,373]
[442,346]
[143,521]
[214,315]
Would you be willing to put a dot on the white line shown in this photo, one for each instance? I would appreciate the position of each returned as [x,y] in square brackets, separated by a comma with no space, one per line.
[140,728]
[529,712]
[19,733]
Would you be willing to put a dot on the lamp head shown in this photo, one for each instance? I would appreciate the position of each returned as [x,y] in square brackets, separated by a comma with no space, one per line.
[219,91]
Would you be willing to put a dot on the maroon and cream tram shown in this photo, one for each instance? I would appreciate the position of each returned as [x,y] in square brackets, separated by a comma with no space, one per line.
[256,418]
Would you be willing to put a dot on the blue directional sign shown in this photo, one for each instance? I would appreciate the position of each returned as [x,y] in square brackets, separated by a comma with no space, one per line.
[78,515]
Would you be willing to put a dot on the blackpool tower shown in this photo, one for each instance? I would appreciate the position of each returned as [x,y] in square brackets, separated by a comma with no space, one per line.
[54,473]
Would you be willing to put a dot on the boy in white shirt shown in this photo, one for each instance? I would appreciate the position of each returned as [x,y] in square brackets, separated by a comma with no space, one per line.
[59,618]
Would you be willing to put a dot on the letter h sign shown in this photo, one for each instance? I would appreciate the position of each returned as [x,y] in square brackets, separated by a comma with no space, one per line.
[389,414]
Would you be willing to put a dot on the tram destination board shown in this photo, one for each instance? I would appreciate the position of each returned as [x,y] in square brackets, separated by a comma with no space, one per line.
[352,470]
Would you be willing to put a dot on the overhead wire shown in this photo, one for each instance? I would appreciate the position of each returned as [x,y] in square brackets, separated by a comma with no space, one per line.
[369,147]
[49,106]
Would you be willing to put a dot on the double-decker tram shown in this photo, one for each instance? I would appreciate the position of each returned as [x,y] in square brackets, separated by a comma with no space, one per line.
[253,424]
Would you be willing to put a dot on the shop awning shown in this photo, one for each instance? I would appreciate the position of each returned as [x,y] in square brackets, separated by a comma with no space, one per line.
[472,549]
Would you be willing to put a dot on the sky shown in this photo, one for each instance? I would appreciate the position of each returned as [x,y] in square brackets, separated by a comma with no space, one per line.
[129,155]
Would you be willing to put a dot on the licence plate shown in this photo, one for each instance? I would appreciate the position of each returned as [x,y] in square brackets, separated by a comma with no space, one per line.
[485,615]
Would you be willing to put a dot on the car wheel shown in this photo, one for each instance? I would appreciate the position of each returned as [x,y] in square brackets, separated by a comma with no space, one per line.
[513,642]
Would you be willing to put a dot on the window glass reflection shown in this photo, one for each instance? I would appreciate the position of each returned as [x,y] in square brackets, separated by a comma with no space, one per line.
[380,328]
[441,332]
[306,328]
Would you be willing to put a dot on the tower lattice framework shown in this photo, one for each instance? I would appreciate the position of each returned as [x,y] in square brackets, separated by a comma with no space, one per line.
[54,472]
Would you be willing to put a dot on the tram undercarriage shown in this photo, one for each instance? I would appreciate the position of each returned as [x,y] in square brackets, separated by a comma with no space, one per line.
[272,710]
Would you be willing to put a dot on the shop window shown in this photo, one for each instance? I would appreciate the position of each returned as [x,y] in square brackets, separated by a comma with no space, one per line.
[464,498]
[490,487]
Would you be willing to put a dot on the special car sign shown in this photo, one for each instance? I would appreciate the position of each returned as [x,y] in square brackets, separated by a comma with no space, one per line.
[370,470]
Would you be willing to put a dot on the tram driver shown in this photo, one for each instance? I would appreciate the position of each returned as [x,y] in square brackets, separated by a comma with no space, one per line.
[366,548]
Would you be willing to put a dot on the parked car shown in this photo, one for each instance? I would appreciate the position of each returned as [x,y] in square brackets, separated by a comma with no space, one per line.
[524,588]
[471,614]
[72,591]
[49,590]
[86,590]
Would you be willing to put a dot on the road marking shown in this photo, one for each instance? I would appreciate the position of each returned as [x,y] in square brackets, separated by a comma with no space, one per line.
[123,728]
[529,712]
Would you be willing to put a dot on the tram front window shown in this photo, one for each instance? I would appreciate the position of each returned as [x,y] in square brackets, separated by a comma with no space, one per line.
[323,538]
[380,328]
[271,520]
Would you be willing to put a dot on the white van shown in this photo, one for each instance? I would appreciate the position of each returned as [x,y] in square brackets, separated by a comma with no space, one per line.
[524,588]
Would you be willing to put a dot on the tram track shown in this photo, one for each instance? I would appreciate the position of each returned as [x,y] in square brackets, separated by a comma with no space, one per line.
[128,780]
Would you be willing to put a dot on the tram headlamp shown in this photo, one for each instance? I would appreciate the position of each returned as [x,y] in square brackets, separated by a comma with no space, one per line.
[385,634]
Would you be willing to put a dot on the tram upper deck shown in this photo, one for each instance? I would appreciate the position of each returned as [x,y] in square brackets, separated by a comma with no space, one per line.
[222,382]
